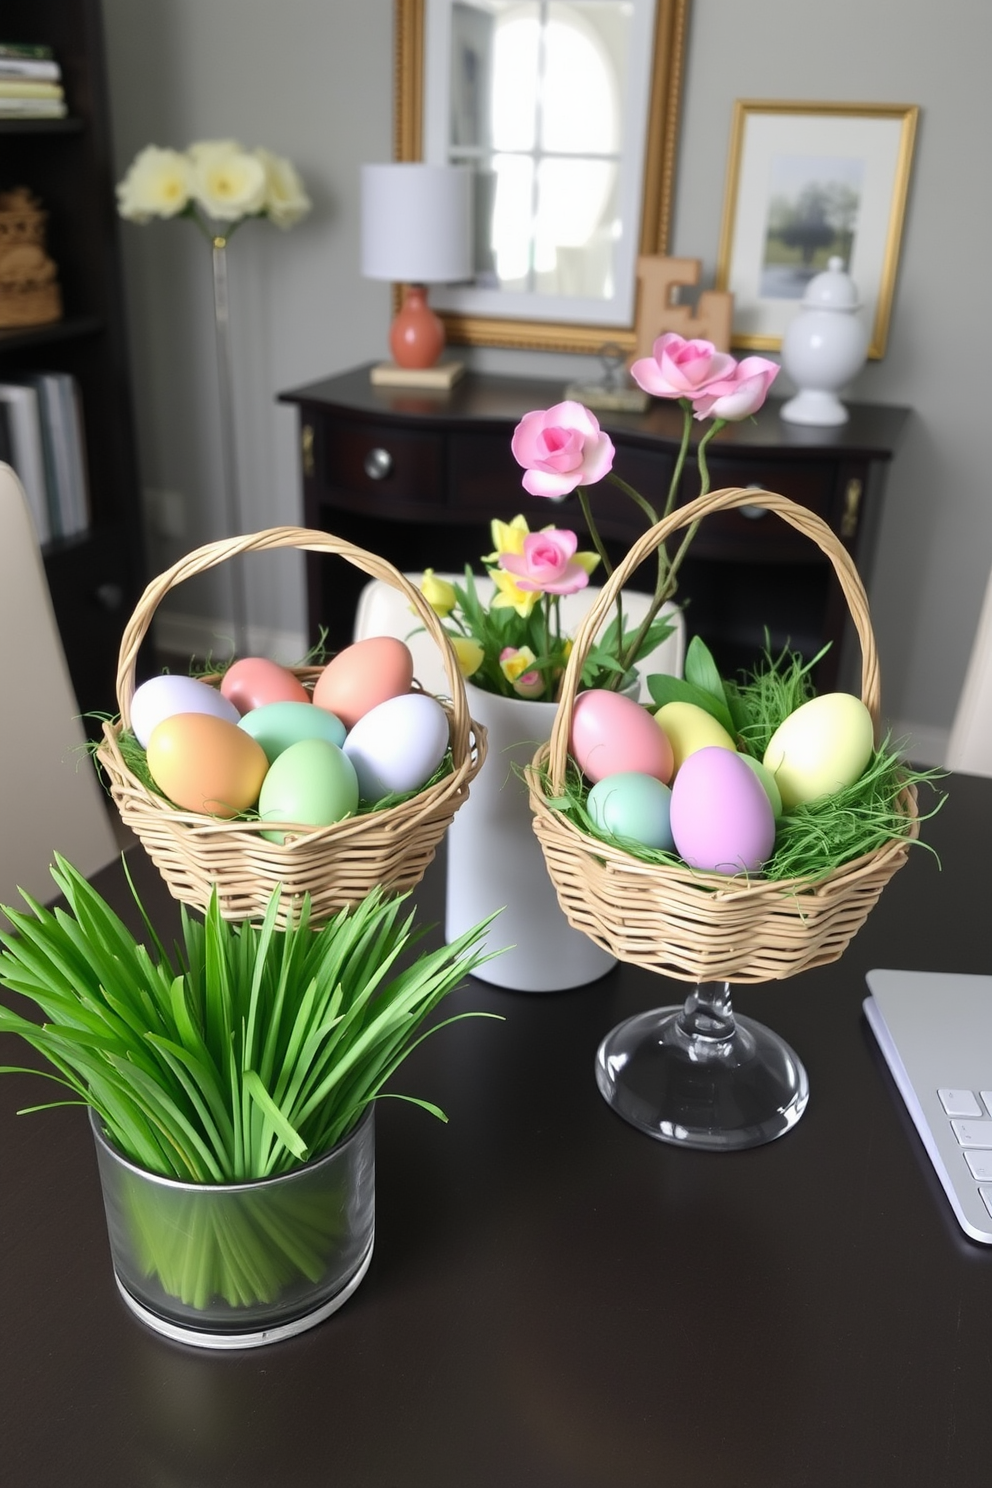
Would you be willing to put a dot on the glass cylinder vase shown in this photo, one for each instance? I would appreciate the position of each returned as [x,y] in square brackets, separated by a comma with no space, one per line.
[495,862]
[235,1265]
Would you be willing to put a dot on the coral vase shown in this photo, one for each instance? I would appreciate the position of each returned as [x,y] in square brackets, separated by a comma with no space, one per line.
[495,862]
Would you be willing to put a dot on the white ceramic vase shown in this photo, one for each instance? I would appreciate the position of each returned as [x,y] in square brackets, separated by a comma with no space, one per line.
[824,347]
[495,862]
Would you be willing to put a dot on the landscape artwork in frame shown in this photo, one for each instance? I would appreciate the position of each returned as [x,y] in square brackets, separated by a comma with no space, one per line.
[807,182]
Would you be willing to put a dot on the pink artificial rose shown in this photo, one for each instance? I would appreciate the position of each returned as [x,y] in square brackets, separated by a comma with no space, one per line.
[681,369]
[739,395]
[546,563]
[561,448]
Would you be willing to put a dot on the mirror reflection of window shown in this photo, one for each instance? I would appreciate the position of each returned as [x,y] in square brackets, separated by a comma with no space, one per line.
[536,93]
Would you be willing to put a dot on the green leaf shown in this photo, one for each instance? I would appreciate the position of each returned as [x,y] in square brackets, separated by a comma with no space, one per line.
[701,670]
[665,689]
[261,1096]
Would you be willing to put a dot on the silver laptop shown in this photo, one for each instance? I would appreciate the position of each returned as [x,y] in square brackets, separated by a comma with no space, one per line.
[935,1030]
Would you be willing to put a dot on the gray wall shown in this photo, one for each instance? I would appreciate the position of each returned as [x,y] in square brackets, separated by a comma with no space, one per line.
[312,79]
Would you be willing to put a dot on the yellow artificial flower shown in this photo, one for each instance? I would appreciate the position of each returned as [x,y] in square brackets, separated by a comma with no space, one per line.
[469,653]
[508,537]
[509,595]
[588,561]
[438,593]
[513,663]
[286,200]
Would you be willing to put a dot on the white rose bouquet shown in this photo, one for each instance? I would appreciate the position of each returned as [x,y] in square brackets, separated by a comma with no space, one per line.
[216,183]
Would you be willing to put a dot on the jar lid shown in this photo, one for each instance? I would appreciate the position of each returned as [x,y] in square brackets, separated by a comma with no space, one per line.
[832,290]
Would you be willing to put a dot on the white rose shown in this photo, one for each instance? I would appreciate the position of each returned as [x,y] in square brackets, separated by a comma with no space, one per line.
[157,184]
[228,183]
[286,200]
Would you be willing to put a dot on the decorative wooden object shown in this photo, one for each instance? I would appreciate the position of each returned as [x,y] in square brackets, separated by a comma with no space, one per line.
[658,278]
[29,288]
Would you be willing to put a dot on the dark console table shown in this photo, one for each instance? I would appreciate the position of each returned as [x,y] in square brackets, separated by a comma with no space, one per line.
[417,476]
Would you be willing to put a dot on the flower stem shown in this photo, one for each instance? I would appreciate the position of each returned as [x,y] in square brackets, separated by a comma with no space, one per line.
[597,542]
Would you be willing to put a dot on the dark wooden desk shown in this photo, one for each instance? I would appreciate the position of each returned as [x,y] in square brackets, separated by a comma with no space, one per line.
[418,476]
[555,1300]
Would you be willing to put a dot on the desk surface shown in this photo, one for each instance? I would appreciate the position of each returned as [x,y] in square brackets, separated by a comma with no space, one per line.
[556,1300]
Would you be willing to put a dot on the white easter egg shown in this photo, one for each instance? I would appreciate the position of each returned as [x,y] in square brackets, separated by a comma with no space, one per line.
[163,697]
[397,746]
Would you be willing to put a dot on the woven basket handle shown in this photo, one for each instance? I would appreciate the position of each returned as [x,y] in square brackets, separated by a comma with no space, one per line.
[312,541]
[799,517]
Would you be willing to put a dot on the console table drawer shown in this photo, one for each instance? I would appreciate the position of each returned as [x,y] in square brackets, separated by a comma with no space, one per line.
[382,461]
[756,535]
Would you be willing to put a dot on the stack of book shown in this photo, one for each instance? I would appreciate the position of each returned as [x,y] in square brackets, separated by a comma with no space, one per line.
[41,436]
[30,82]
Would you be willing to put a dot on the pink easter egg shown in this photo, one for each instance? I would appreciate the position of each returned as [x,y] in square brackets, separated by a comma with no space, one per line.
[612,735]
[721,818]
[253,682]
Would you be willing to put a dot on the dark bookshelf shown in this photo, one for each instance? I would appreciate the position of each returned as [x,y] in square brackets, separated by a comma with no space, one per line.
[96,577]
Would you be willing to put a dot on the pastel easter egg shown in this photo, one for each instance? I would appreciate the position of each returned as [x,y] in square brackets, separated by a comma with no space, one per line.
[721,818]
[206,764]
[768,783]
[689,728]
[364,675]
[254,681]
[633,806]
[613,735]
[278,725]
[397,746]
[162,697]
[311,783]
[821,748]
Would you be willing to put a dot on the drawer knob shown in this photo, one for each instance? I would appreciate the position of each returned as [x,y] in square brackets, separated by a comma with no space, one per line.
[378,464]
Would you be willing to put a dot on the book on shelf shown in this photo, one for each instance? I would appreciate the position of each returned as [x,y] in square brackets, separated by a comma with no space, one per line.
[32,108]
[51,449]
[26,451]
[29,68]
[38,50]
[28,88]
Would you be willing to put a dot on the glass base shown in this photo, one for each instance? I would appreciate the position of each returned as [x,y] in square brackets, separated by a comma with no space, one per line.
[200,1338]
[739,1086]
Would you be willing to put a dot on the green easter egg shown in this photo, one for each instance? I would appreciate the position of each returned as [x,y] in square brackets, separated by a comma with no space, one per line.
[634,806]
[312,782]
[278,725]
[768,781]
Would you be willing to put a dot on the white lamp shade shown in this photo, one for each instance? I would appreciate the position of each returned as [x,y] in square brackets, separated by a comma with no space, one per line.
[417,223]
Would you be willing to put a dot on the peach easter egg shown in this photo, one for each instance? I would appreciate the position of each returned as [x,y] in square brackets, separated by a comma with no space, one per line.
[362,676]
[206,764]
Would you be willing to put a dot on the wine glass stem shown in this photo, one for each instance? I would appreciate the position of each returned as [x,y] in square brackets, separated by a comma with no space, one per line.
[708,1013]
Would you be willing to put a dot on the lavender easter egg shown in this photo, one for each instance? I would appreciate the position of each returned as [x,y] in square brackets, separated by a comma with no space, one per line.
[613,735]
[721,817]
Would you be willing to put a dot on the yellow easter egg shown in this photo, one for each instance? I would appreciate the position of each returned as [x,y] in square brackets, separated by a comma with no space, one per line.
[206,764]
[822,747]
[689,728]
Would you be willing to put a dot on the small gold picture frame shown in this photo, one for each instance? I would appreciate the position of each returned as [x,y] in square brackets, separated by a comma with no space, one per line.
[807,182]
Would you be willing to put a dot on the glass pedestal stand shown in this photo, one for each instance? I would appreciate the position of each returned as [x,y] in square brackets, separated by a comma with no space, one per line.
[700,1076]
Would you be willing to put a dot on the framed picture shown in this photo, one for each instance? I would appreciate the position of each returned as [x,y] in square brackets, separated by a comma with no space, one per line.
[807,182]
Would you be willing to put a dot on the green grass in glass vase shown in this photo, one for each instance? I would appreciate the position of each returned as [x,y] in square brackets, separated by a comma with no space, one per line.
[243,1055]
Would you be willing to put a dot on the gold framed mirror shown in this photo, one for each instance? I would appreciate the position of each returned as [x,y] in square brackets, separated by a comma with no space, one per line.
[635,215]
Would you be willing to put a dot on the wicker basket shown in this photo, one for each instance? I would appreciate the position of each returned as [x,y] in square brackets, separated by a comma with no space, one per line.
[337,865]
[692,925]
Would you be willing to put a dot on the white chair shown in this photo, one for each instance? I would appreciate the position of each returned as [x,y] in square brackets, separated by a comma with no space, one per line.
[382,610]
[50,797]
[969,748]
